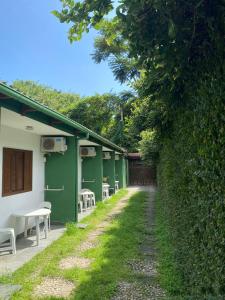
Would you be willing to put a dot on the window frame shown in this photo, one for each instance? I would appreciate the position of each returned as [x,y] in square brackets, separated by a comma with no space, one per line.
[7,169]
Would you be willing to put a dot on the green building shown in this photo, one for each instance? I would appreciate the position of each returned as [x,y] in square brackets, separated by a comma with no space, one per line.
[64,157]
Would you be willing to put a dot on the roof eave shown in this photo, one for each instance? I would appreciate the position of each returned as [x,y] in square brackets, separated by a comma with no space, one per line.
[46,110]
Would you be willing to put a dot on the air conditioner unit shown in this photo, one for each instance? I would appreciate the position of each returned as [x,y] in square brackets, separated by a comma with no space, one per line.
[87,151]
[106,155]
[117,157]
[53,144]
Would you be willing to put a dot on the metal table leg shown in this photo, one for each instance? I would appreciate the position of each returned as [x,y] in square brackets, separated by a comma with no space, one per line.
[46,226]
[37,229]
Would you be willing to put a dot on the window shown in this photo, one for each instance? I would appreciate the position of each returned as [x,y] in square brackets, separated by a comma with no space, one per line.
[17,171]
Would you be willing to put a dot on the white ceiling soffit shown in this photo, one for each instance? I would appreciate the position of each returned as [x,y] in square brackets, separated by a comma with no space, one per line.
[11,119]
[106,149]
[89,143]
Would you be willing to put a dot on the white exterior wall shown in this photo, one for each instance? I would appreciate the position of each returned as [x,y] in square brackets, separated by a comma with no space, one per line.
[18,139]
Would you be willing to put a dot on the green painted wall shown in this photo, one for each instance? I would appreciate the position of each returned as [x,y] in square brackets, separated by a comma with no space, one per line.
[127,171]
[109,169]
[121,172]
[61,170]
[92,169]
[124,172]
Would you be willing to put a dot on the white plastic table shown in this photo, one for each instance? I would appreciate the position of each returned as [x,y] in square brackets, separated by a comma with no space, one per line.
[35,213]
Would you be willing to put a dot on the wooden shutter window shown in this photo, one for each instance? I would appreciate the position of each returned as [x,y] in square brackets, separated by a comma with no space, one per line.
[17,171]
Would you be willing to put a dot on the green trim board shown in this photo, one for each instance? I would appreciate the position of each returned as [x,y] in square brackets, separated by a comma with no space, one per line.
[120,166]
[119,171]
[124,172]
[109,170]
[127,171]
[92,171]
[61,171]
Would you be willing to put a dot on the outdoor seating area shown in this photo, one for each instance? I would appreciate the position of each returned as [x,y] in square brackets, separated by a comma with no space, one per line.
[26,248]
[39,215]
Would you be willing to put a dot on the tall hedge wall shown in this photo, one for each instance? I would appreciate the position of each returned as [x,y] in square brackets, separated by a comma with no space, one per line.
[191,176]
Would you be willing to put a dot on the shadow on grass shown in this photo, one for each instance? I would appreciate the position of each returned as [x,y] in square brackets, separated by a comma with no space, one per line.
[118,244]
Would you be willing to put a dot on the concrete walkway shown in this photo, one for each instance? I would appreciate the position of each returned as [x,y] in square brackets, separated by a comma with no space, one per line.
[26,249]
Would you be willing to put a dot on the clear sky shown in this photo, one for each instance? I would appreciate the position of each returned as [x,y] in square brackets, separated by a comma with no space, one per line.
[34,46]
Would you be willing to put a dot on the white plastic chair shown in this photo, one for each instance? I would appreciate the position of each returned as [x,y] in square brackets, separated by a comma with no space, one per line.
[93,198]
[48,205]
[87,198]
[11,246]
[105,191]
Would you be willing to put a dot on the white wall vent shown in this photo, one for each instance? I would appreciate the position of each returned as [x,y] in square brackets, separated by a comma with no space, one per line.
[87,151]
[106,155]
[53,144]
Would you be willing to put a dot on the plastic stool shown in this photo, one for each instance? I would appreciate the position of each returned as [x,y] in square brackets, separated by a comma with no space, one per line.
[11,246]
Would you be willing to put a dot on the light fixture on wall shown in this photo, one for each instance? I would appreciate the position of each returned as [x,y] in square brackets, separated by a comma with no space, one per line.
[30,128]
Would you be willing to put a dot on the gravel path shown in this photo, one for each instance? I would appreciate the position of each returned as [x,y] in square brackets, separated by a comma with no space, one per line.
[59,287]
[144,286]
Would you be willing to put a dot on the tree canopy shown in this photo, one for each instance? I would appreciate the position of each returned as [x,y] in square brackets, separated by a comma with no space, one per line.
[107,114]
[52,98]
[160,48]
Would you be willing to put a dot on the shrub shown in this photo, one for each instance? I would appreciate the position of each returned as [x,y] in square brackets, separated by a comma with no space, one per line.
[191,180]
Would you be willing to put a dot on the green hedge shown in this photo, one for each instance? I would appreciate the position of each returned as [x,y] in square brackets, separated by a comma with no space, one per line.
[191,177]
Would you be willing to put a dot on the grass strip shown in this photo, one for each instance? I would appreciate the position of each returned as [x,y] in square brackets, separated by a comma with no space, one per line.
[119,244]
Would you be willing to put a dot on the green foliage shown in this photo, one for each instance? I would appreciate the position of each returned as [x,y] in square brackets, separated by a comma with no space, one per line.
[168,39]
[105,114]
[149,146]
[71,228]
[169,276]
[94,112]
[191,180]
[83,14]
[52,98]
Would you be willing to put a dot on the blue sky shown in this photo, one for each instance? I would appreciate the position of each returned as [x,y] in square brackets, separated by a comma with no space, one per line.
[34,46]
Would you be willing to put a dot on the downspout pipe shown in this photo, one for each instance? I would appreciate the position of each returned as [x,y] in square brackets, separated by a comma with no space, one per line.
[86,137]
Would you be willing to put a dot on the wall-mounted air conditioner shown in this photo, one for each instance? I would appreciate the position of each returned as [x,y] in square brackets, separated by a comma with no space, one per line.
[87,151]
[53,144]
[117,157]
[106,155]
